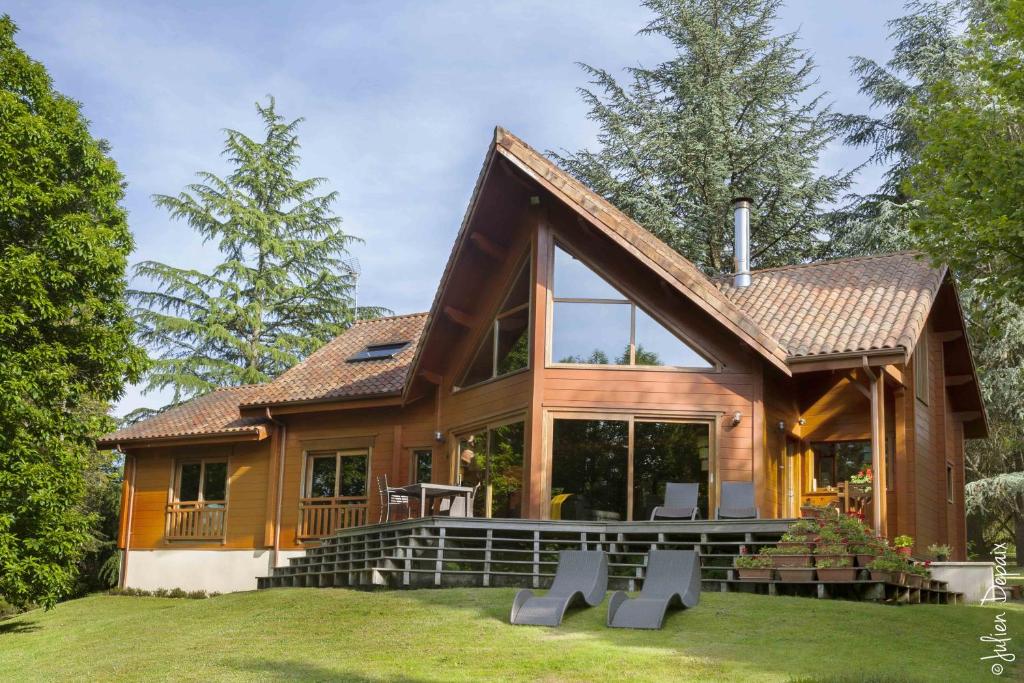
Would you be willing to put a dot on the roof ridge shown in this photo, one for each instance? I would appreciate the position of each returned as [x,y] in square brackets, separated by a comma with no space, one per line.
[236,386]
[830,262]
[389,317]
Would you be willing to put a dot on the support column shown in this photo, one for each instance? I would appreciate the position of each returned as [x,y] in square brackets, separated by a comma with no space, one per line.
[535,493]
[877,391]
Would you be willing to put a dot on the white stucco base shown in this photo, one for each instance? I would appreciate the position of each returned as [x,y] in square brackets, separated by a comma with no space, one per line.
[973,579]
[221,571]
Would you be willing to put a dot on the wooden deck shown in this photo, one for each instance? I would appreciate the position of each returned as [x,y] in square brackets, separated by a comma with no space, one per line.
[445,552]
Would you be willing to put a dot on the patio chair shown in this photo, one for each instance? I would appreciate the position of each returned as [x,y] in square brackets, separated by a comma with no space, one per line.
[390,497]
[582,577]
[680,502]
[672,580]
[737,501]
[456,507]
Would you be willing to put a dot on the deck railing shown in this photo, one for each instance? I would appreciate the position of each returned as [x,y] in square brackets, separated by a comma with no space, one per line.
[196,520]
[319,517]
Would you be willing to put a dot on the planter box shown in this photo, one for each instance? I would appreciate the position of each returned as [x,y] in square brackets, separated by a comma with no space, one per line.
[834,558]
[809,513]
[881,575]
[797,547]
[755,574]
[913,580]
[791,561]
[865,560]
[796,574]
[837,574]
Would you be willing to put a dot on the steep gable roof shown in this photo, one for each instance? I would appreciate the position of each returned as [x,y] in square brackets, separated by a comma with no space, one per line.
[215,413]
[864,304]
[328,374]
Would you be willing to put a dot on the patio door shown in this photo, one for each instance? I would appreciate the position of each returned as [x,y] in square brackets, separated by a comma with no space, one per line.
[491,458]
[616,467]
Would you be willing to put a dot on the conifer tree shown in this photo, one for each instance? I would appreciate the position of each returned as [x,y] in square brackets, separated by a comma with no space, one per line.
[729,114]
[283,289]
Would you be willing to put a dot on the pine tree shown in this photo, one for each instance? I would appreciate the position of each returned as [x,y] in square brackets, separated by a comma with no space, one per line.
[283,289]
[928,46]
[730,114]
[65,334]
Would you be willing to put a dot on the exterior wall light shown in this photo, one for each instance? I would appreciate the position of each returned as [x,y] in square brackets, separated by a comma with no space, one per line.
[736,418]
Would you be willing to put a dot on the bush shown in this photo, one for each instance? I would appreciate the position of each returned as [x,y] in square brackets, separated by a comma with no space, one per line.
[162,593]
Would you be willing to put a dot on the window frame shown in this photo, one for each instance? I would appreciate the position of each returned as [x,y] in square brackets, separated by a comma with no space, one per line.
[338,453]
[487,427]
[922,374]
[492,331]
[414,454]
[629,299]
[175,490]
[950,492]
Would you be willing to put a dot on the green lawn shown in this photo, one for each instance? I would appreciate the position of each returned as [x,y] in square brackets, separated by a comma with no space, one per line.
[441,635]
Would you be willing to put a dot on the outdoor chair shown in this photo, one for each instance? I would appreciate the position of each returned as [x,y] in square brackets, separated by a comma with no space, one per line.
[680,502]
[456,507]
[582,577]
[672,580]
[390,497]
[737,501]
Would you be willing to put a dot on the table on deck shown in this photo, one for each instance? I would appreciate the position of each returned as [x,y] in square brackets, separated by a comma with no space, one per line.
[424,491]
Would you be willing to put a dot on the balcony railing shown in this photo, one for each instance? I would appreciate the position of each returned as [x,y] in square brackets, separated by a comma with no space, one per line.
[319,517]
[196,520]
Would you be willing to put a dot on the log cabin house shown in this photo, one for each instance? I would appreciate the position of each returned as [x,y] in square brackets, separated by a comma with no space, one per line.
[571,364]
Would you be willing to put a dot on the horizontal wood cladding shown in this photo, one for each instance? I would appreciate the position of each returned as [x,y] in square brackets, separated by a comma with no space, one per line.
[470,406]
[248,465]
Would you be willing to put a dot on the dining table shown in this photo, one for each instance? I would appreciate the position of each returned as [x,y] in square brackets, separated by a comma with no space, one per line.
[425,490]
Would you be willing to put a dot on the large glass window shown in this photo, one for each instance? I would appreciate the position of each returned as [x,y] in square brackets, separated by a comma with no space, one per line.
[592,459]
[337,474]
[506,346]
[493,459]
[202,481]
[423,465]
[837,461]
[595,324]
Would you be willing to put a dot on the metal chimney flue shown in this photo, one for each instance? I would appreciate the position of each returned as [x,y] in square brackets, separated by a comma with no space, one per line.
[741,248]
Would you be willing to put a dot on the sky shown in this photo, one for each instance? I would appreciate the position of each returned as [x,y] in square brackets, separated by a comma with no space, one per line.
[400,99]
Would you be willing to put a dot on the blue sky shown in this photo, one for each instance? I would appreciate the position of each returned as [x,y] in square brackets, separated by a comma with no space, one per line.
[400,100]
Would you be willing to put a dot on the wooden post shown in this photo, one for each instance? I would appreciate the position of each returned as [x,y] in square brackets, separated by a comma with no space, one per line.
[878,493]
[535,499]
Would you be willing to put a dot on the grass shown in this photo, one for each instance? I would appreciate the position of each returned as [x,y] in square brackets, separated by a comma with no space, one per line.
[463,634]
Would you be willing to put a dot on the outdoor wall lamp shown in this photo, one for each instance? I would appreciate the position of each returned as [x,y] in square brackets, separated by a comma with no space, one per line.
[439,437]
[736,417]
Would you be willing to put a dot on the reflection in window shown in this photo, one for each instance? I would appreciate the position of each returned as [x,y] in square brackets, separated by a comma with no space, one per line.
[202,481]
[664,452]
[595,324]
[837,461]
[506,346]
[493,459]
[588,469]
[340,474]
[423,466]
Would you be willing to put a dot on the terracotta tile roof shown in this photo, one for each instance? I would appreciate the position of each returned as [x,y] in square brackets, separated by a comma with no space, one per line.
[328,375]
[843,306]
[213,413]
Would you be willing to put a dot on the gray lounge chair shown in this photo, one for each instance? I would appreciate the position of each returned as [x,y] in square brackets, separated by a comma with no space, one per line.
[680,502]
[582,576]
[672,580]
[737,501]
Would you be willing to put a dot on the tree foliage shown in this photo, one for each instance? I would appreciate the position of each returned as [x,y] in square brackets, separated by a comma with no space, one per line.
[65,333]
[730,114]
[970,176]
[283,289]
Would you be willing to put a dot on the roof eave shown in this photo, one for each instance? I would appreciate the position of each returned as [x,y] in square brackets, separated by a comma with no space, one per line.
[255,433]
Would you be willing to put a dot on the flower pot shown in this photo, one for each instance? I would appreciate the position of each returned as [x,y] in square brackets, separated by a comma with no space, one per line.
[905,551]
[899,578]
[809,512]
[865,560]
[796,574]
[755,573]
[913,580]
[791,561]
[881,575]
[837,574]
[818,558]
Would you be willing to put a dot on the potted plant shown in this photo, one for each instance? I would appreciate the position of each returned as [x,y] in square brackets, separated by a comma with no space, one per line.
[795,574]
[914,577]
[890,568]
[941,553]
[809,511]
[903,544]
[784,557]
[864,552]
[796,542]
[830,536]
[836,569]
[825,552]
[754,567]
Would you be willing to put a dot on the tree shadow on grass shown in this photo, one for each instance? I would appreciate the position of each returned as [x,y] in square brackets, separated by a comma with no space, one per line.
[267,669]
[17,627]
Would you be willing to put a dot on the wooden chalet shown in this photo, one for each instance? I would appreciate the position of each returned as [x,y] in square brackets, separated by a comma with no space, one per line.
[571,364]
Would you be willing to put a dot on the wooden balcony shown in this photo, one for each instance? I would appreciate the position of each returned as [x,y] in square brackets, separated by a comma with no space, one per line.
[319,517]
[196,520]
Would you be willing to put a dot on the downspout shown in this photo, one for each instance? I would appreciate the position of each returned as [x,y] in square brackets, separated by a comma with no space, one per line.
[280,488]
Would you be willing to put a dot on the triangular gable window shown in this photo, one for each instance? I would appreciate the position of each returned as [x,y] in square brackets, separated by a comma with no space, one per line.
[595,324]
[506,346]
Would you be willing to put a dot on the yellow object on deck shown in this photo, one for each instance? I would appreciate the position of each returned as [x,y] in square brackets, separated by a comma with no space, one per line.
[556,504]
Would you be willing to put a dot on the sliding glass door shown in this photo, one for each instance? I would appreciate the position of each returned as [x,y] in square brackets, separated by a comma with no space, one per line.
[616,469]
[492,459]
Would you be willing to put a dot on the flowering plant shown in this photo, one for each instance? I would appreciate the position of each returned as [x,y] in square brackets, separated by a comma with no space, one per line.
[862,477]
[903,541]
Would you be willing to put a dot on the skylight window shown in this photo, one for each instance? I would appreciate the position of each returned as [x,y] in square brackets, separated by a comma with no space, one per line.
[379,351]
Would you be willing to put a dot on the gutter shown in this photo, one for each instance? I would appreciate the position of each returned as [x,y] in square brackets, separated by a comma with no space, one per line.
[280,488]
